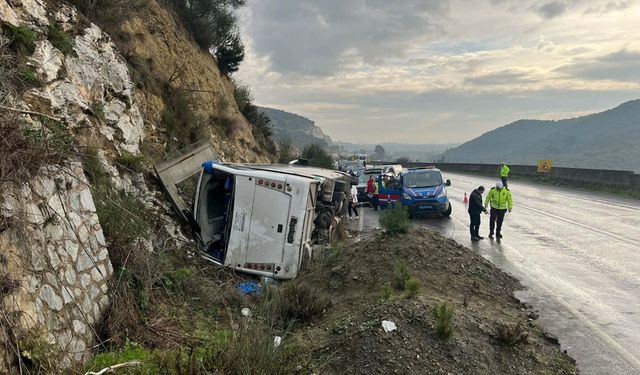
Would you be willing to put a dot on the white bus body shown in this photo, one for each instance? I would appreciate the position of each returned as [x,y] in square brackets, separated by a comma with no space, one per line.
[259,219]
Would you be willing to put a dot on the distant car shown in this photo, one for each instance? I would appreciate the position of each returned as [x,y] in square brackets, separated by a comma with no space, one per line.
[353,166]
[363,177]
[421,190]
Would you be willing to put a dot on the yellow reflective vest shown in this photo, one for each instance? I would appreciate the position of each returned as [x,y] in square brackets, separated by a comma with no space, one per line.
[504,171]
[499,199]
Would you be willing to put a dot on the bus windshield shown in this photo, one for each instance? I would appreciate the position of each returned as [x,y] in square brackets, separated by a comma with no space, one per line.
[422,179]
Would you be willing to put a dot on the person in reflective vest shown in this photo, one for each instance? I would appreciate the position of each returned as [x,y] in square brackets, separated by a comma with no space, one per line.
[499,197]
[504,174]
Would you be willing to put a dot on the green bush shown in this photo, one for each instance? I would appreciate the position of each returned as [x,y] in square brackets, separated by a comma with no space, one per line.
[61,40]
[401,276]
[28,75]
[122,216]
[395,220]
[23,39]
[43,356]
[386,292]
[93,168]
[412,286]
[443,314]
[134,163]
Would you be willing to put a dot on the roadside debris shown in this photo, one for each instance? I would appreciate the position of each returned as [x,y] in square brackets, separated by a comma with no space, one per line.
[277,340]
[249,287]
[246,312]
[389,326]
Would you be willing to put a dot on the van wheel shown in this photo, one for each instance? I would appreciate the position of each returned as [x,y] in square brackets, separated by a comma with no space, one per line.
[447,213]
[338,196]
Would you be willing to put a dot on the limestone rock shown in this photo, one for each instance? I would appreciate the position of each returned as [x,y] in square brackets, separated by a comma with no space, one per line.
[49,296]
[47,59]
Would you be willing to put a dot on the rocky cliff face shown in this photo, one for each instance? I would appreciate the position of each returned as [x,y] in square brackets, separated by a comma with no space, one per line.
[55,262]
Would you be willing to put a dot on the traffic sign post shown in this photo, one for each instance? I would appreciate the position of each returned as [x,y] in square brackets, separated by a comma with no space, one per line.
[544,166]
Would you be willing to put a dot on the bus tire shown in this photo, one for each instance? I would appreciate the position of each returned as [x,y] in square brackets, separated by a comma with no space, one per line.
[341,186]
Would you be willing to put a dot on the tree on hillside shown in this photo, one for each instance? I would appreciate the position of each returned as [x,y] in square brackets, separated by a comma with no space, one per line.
[230,53]
[402,160]
[213,24]
[380,152]
[286,152]
[317,156]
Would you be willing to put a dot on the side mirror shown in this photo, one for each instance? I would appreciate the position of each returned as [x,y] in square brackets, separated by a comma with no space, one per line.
[448,183]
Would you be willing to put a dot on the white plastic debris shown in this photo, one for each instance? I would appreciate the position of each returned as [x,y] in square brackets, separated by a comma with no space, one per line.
[277,340]
[246,312]
[389,326]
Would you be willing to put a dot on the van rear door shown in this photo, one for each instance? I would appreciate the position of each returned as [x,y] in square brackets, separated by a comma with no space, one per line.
[179,166]
[269,223]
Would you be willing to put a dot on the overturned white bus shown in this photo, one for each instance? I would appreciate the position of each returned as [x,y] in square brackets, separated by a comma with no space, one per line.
[257,218]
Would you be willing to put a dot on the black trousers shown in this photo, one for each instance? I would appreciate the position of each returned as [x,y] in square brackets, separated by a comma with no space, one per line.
[352,207]
[474,227]
[496,217]
[504,181]
[375,202]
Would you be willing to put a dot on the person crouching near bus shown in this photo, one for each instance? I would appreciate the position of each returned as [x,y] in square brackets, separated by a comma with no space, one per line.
[353,201]
[500,199]
[475,209]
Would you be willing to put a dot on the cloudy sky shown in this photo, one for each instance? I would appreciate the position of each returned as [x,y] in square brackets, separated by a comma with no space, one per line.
[439,71]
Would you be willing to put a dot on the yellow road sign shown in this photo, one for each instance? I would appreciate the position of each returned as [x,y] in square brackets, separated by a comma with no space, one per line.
[544,166]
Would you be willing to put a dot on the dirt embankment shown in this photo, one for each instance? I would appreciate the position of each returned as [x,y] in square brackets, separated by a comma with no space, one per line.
[359,277]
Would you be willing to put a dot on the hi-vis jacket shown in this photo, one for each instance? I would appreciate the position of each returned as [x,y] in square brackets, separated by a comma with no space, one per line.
[504,171]
[500,199]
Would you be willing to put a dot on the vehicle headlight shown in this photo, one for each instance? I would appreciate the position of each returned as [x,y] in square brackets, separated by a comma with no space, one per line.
[443,193]
[406,196]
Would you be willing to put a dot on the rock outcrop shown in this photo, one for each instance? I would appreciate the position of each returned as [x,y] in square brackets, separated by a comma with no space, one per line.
[55,266]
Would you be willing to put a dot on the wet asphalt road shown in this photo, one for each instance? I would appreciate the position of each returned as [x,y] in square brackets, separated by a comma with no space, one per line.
[577,253]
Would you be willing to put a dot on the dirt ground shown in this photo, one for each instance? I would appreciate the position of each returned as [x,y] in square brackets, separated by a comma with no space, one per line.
[349,338]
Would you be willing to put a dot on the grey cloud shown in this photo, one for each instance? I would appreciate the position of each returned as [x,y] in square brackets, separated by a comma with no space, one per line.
[618,66]
[610,6]
[319,37]
[552,9]
[504,77]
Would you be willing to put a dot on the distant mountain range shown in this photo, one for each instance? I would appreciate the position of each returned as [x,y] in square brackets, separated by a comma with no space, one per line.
[298,129]
[606,140]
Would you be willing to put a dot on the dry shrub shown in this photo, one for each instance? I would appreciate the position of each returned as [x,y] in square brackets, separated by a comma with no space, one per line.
[8,285]
[24,151]
[296,303]
[251,350]
[510,335]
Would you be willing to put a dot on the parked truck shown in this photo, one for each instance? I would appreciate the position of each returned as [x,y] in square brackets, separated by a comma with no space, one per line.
[261,219]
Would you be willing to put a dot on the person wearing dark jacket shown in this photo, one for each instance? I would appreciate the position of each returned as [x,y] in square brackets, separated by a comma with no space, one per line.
[475,209]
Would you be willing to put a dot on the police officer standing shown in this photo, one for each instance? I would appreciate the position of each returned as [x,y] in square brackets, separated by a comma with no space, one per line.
[475,208]
[500,199]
